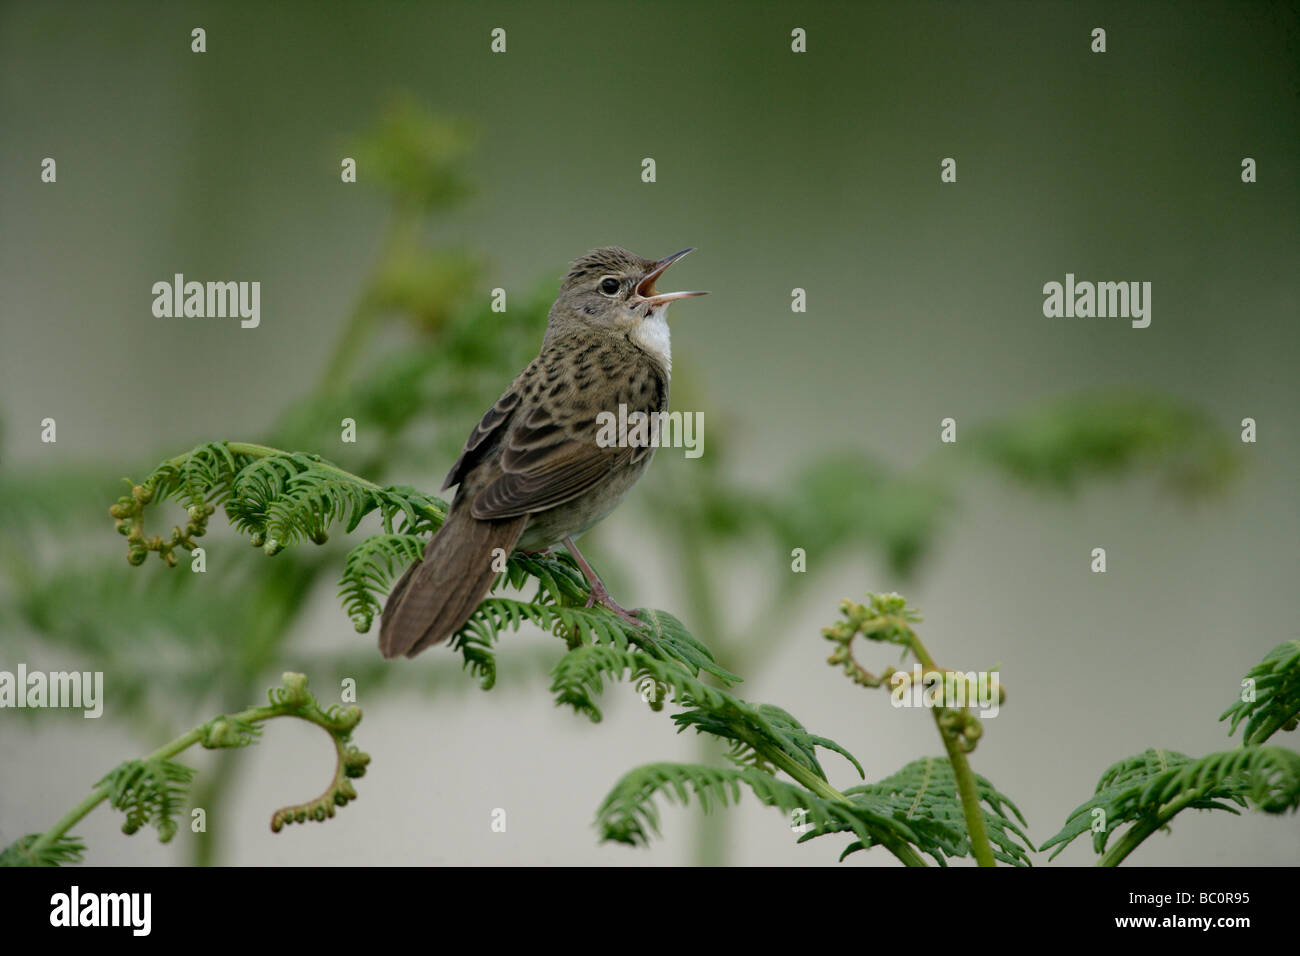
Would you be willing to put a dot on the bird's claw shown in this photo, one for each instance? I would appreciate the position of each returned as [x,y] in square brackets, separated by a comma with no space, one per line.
[599,595]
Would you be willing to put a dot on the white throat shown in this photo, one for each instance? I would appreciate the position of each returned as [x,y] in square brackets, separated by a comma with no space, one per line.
[652,335]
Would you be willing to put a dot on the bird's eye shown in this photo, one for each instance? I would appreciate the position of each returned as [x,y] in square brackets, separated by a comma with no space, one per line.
[609,285]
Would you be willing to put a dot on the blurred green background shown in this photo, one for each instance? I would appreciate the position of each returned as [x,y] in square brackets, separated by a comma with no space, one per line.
[818,171]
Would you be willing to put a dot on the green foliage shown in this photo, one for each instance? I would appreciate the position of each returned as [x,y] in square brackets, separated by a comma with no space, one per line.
[761,730]
[960,811]
[175,645]
[417,156]
[917,805]
[664,639]
[198,478]
[924,794]
[280,498]
[153,790]
[150,791]
[1058,445]
[414,405]
[559,606]
[852,499]
[1274,701]
[1150,788]
[370,569]
[277,498]
[923,805]
[628,814]
[59,852]
[229,731]
[838,501]
[41,498]
[181,643]
[283,498]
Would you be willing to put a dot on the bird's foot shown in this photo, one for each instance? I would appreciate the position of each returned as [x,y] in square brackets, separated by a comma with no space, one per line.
[600,596]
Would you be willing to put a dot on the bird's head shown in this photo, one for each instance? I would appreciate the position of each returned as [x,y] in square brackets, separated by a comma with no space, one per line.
[615,288]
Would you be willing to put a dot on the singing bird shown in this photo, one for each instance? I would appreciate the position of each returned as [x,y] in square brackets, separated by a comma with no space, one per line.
[532,474]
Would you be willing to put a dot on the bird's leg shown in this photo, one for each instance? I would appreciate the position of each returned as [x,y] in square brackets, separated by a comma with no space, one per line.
[598,593]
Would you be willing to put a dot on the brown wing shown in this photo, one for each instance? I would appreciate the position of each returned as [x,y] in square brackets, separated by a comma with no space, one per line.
[478,442]
[549,453]
[547,461]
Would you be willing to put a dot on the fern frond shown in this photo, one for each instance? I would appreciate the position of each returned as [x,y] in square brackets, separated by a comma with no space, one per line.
[276,497]
[229,731]
[369,571]
[628,814]
[1149,789]
[1274,703]
[761,727]
[746,757]
[669,640]
[924,793]
[758,732]
[311,502]
[57,853]
[286,497]
[202,476]
[150,792]
[577,625]
[560,585]
[1267,777]
[579,676]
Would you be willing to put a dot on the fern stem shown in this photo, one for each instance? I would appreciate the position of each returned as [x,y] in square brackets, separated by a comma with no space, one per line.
[981,849]
[712,831]
[1140,831]
[100,794]
[165,752]
[906,855]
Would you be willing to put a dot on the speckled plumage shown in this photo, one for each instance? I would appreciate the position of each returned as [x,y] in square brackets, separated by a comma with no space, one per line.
[532,473]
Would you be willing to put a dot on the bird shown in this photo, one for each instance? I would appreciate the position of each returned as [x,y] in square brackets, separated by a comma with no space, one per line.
[533,474]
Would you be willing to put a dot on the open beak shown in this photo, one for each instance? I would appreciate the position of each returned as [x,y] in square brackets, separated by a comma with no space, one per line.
[646,287]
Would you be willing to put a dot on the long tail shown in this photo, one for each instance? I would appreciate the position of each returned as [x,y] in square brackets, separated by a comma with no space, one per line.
[437,595]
